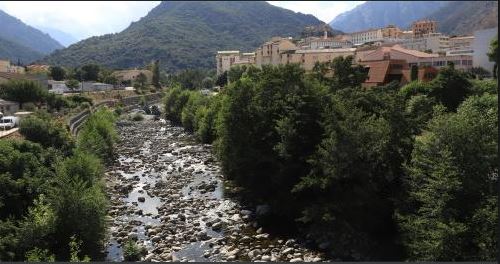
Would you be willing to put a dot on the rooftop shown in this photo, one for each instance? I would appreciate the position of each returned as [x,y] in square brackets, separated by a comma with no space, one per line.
[228,52]
[326,50]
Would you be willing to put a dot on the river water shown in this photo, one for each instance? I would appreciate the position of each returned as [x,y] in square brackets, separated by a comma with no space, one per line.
[167,194]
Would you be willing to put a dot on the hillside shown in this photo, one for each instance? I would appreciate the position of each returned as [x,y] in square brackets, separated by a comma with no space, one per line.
[14,52]
[376,14]
[14,30]
[465,17]
[186,35]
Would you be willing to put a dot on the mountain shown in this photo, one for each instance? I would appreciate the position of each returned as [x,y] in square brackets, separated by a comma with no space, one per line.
[62,37]
[14,52]
[377,14]
[464,17]
[186,34]
[14,30]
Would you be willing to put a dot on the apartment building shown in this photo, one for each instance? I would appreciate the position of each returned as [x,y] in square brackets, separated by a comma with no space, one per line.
[391,32]
[307,58]
[371,35]
[269,52]
[423,27]
[434,42]
[226,59]
[418,58]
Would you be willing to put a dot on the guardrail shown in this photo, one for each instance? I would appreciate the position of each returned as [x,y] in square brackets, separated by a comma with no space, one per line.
[76,121]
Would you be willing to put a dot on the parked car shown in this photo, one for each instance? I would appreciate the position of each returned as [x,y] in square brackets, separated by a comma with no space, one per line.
[8,122]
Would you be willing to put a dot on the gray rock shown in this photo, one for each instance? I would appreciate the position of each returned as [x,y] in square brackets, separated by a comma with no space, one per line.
[296,260]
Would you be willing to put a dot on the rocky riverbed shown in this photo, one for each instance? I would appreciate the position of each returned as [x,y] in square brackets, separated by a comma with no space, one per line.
[167,193]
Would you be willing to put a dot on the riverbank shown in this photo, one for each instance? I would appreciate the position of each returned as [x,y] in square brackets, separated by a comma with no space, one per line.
[167,193]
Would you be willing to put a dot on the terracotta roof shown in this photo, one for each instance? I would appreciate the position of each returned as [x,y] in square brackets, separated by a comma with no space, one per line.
[415,53]
[378,70]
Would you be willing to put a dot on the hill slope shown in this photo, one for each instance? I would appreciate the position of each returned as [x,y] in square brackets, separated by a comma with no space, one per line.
[14,52]
[14,30]
[376,14]
[464,17]
[186,35]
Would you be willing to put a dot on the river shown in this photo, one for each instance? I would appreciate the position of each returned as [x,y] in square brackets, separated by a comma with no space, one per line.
[167,193]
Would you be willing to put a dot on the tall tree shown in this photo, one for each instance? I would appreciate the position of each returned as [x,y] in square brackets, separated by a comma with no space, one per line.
[90,72]
[22,91]
[57,73]
[493,55]
[414,73]
[451,212]
[156,74]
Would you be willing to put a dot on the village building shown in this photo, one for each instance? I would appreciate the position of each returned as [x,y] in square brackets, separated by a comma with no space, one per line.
[131,75]
[8,107]
[308,58]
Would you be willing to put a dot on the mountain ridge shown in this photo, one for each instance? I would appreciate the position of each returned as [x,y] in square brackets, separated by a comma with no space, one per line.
[169,33]
[15,30]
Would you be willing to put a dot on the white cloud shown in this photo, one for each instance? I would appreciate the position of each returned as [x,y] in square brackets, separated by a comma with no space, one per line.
[81,19]
[325,11]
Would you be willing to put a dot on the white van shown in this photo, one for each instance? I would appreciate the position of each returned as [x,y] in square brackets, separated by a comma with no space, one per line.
[8,122]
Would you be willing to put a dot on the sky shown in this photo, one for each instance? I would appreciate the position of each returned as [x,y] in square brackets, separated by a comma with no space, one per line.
[83,19]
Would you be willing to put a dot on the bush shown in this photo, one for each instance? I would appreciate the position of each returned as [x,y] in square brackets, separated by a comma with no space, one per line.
[30,107]
[174,101]
[47,132]
[137,117]
[118,111]
[98,135]
[132,252]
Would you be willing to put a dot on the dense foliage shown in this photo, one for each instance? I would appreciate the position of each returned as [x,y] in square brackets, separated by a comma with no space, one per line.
[22,91]
[386,173]
[52,200]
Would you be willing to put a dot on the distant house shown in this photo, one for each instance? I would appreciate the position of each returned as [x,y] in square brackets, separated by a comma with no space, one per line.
[131,75]
[5,66]
[95,86]
[8,107]
[58,87]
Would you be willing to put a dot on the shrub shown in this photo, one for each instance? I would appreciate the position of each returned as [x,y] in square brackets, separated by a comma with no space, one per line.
[47,132]
[98,135]
[29,107]
[132,252]
[137,117]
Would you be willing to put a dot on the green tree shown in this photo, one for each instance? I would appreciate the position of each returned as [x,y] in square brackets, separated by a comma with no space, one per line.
[222,79]
[72,84]
[22,91]
[493,55]
[46,132]
[450,87]
[156,74]
[140,82]
[90,72]
[414,73]
[450,212]
[57,73]
[207,83]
